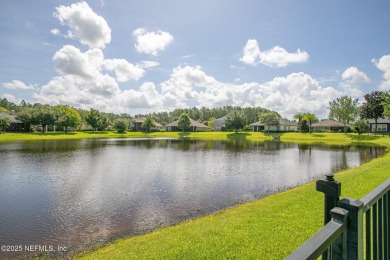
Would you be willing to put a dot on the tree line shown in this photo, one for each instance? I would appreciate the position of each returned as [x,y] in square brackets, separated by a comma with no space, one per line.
[344,109]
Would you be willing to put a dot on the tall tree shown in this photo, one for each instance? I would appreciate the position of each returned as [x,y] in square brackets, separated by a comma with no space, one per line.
[68,117]
[148,124]
[310,118]
[269,119]
[26,116]
[104,122]
[210,123]
[44,115]
[299,117]
[373,107]
[344,109]
[386,104]
[93,118]
[184,123]
[235,120]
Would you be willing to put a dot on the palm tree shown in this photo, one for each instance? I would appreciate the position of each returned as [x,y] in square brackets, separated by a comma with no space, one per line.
[310,118]
[299,116]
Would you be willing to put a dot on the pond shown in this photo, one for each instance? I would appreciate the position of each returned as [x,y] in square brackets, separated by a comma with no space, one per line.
[76,193]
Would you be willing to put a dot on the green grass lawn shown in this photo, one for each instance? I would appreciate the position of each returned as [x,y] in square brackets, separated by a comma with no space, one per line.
[269,228]
[337,138]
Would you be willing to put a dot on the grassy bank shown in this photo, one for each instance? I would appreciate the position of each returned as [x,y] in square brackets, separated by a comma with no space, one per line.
[269,228]
[288,137]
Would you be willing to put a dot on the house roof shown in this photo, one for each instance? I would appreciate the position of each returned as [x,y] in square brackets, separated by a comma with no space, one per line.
[221,119]
[381,120]
[12,118]
[138,120]
[328,123]
[193,123]
[142,119]
[282,121]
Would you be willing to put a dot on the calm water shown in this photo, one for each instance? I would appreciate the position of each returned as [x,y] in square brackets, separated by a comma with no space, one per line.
[74,193]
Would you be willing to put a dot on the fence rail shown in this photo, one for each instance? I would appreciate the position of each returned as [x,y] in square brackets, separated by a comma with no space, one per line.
[343,237]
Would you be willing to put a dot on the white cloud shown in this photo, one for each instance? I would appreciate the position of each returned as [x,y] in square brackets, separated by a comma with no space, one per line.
[17,84]
[151,42]
[70,60]
[147,64]
[354,76]
[384,65]
[124,71]
[184,80]
[297,92]
[55,31]
[251,53]
[188,86]
[84,24]
[146,97]
[275,57]
[12,98]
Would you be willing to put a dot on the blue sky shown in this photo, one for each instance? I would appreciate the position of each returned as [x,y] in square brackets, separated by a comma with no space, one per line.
[145,56]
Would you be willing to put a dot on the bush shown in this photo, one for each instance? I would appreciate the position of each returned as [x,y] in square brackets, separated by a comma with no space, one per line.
[121,125]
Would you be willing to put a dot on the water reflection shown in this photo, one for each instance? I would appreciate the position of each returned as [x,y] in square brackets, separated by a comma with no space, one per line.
[78,192]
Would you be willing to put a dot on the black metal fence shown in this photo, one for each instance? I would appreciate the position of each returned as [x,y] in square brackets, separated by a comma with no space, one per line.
[354,229]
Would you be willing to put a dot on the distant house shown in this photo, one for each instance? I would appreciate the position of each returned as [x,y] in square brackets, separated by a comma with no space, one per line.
[328,125]
[136,124]
[195,126]
[383,125]
[219,124]
[15,124]
[284,125]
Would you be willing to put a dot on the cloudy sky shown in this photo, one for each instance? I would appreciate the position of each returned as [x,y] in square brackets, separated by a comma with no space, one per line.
[144,56]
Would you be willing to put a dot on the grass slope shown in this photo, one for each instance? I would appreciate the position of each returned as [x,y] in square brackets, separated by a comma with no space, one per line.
[255,136]
[269,228]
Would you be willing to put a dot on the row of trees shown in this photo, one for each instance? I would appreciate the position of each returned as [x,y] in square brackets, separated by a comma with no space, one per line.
[344,109]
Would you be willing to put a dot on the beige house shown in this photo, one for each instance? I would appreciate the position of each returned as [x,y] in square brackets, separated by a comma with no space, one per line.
[328,125]
[195,126]
[284,125]
[136,124]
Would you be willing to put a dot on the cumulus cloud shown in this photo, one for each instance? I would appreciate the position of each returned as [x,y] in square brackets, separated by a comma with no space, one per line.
[151,42]
[275,57]
[383,64]
[70,60]
[185,80]
[12,98]
[84,81]
[17,84]
[354,76]
[84,24]
[188,86]
[297,92]
[124,71]
[91,64]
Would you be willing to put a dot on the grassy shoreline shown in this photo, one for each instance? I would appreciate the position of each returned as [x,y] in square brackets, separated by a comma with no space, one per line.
[338,138]
[269,228]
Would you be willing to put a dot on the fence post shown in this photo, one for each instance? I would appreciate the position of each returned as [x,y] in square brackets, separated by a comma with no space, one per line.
[355,226]
[339,246]
[332,191]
